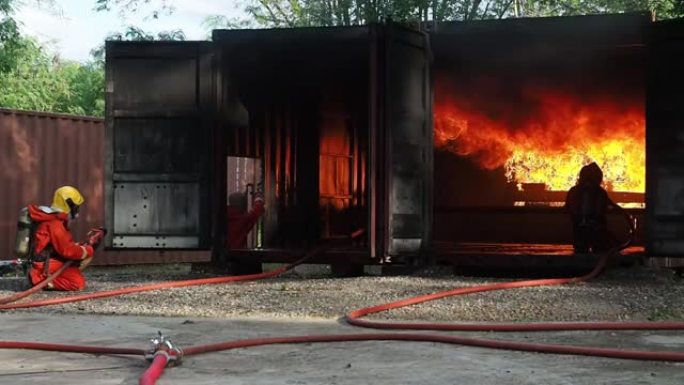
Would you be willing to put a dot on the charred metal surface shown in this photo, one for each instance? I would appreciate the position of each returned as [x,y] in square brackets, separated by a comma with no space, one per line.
[303,97]
[319,104]
[665,140]
[524,259]
[533,225]
[348,255]
[408,144]
[158,144]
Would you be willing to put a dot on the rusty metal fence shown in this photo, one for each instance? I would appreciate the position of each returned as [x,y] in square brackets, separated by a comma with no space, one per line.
[42,151]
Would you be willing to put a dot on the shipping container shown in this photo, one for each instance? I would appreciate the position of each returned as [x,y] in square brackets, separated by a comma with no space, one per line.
[43,151]
[337,119]
[336,126]
[613,77]
[512,96]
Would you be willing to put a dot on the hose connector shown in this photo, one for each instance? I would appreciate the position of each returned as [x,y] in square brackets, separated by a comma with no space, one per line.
[162,345]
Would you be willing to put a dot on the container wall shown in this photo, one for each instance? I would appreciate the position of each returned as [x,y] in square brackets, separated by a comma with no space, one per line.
[40,152]
[158,145]
[665,140]
[298,100]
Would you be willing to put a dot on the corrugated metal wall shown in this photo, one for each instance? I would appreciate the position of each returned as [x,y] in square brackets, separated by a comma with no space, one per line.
[40,152]
[288,137]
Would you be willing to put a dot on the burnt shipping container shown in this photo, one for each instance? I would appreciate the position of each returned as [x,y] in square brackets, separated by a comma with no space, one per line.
[335,124]
[501,67]
[527,79]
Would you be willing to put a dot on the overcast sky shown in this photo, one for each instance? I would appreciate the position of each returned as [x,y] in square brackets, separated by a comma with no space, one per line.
[73,28]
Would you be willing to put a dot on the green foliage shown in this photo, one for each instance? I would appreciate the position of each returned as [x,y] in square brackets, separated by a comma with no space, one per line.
[304,13]
[9,36]
[133,33]
[41,82]
[663,9]
[223,22]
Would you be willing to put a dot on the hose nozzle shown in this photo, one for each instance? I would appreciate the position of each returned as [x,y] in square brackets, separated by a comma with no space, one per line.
[162,345]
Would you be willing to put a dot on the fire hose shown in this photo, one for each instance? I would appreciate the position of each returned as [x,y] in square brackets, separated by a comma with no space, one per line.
[36,288]
[164,353]
[142,288]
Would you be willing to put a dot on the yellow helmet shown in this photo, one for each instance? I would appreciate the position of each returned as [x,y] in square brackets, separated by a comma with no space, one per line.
[67,200]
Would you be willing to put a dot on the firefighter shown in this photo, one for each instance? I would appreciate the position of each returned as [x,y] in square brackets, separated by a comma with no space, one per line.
[241,221]
[588,204]
[53,244]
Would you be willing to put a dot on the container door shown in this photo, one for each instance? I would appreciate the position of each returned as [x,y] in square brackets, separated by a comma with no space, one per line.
[665,140]
[158,144]
[407,121]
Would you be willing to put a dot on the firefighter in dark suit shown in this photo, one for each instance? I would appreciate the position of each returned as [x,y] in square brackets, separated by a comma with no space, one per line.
[588,204]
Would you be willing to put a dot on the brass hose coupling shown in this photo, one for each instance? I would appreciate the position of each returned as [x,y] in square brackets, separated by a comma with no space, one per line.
[161,345]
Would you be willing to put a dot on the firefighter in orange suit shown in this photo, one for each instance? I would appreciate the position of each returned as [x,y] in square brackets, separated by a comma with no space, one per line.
[588,204]
[53,244]
[241,221]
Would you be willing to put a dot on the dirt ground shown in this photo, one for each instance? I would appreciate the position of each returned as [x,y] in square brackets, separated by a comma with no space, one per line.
[382,363]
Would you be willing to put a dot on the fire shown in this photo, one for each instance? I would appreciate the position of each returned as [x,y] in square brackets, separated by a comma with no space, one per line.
[547,137]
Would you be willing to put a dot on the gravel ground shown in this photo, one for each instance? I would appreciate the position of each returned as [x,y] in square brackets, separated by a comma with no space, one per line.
[636,293]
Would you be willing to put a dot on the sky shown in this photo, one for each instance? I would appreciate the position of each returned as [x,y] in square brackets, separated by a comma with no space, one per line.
[72,28]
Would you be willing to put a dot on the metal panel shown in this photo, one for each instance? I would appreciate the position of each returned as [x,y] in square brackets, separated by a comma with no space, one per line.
[42,151]
[159,146]
[159,130]
[542,34]
[665,140]
[408,128]
[155,81]
[165,208]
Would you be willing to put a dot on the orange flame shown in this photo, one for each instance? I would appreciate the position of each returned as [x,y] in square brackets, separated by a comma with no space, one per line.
[548,138]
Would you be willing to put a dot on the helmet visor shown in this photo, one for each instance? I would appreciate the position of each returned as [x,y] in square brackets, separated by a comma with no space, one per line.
[73,208]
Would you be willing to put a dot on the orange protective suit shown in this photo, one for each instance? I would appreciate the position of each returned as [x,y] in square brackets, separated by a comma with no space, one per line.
[53,240]
[240,223]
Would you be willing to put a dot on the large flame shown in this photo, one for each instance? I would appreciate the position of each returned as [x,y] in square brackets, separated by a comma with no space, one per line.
[547,137]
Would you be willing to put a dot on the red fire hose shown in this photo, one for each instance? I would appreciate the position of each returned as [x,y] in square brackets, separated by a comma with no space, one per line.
[69,348]
[160,361]
[155,370]
[137,289]
[353,318]
[456,340]
[38,287]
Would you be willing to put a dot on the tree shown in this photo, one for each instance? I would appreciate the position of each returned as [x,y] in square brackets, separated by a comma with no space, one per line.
[133,33]
[300,13]
[32,79]
[663,9]
[10,39]
[42,82]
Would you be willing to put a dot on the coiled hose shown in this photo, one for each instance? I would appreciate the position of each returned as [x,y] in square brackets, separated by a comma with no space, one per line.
[156,369]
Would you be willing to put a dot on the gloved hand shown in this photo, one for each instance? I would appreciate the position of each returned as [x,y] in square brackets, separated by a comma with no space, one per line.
[95,236]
